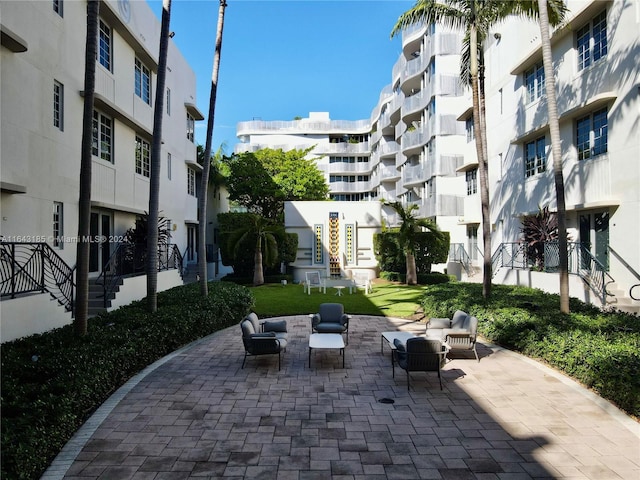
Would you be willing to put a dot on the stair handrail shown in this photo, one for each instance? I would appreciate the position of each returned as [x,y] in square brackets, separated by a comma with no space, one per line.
[583,263]
[631,270]
[27,267]
[121,262]
[129,259]
[511,255]
[185,254]
[458,253]
[174,259]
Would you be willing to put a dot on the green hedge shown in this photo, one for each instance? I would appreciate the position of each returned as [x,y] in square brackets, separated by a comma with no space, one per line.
[51,383]
[423,278]
[599,349]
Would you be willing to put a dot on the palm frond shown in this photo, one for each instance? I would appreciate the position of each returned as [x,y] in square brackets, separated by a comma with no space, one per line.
[430,11]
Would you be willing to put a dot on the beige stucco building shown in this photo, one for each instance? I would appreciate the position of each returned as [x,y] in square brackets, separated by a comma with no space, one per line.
[42,79]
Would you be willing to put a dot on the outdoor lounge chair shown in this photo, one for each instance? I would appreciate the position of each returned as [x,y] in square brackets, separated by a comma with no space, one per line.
[362,280]
[271,341]
[459,333]
[419,354]
[331,319]
[314,280]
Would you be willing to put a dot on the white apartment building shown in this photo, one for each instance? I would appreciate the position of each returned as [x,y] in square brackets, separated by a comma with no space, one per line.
[42,79]
[597,83]
[418,145]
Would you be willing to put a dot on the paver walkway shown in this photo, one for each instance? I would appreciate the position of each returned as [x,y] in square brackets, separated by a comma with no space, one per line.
[197,414]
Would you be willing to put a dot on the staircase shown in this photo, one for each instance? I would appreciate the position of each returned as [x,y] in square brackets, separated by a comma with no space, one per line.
[620,300]
[190,274]
[96,297]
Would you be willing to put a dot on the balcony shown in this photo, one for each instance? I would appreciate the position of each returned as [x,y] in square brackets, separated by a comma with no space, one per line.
[389,174]
[344,167]
[414,140]
[342,147]
[415,104]
[388,150]
[254,127]
[413,175]
[441,206]
[350,187]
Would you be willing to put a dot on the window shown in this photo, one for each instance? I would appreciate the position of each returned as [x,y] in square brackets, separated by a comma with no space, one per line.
[58,231]
[102,141]
[535,160]
[143,82]
[591,135]
[104,46]
[169,166]
[57,7]
[471,136]
[143,157]
[472,181]
[169,101]
[534,81]
[190,126]
[58,105]
[191,182]
[591,41]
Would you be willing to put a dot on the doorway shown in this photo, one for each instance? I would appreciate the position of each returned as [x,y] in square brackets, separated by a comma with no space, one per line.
[100,247]
[472,241]
[192,243]
[594,237]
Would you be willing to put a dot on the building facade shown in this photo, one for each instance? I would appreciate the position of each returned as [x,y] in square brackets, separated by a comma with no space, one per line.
[418,146]
[42,56]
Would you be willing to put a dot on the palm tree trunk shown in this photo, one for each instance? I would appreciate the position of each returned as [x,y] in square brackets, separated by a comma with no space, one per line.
[258,274]
[482,162]
[487,272]
[206,167]
[556,149]
[84,201]
[156,150]
[412,276]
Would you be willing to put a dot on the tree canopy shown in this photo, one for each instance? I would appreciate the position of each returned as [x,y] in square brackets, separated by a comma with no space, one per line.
[263,180]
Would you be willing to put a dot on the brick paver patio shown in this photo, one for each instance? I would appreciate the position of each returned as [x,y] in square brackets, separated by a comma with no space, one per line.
[197,414]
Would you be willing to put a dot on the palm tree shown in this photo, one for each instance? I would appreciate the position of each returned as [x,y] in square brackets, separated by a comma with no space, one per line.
[409,228]
[84,202]
[475,18]
[204,184]
[554,128]
[266,248]
[154,184]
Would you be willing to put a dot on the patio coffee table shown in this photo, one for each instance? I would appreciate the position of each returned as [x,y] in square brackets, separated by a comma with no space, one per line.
[326,341]
[391,336]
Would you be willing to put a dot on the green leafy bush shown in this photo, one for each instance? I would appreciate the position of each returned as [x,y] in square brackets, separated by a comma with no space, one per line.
[51,383]
[430,249]
[599,349]
[423,278]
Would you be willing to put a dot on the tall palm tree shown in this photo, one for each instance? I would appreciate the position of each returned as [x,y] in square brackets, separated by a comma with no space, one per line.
[554,128]
[84,201]
[475,18]
[409,228]
[154,184]
[266,249]
[204,184]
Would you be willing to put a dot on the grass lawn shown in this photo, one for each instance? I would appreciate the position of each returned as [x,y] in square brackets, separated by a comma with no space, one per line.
[387,299]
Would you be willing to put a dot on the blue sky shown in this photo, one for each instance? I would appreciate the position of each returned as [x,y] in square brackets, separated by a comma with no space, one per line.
[282,59]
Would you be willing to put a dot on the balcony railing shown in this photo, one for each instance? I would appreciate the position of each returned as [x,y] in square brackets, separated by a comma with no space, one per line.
[129,260]
[35,267]
[581,263]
